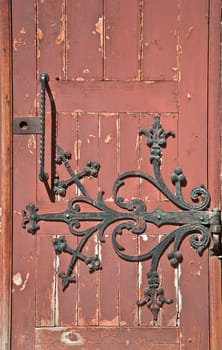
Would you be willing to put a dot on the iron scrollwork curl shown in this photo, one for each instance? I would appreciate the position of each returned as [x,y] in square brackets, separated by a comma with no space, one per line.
[192,218]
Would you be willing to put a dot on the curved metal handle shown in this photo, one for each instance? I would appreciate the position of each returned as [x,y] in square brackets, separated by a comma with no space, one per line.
[43,175]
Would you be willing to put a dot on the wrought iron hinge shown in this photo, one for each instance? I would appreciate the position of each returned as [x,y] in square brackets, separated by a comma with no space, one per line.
[192,218]
[215,247]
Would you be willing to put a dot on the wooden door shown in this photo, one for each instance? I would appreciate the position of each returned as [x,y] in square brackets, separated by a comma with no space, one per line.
[113,65]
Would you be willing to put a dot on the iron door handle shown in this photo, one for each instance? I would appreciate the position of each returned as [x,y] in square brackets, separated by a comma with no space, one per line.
[44,79]
[36,125]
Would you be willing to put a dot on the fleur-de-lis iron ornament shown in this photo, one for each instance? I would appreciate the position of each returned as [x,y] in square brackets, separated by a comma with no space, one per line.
[191,219]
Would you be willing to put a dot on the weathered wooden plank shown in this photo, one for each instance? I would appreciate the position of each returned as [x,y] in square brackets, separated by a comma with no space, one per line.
[193,160]
[128,283]
[194,279]
[108,152]
[46,286]
[107,338]
[66,301]
[160,40]
[24,81]
[169,161]
[24,244]
[129,145]
[6,147]
[116,97]
[193,104]
[24,103]
[85,43]
[122,40]
[88,288]
[51,38]
[87,147]
[109,283]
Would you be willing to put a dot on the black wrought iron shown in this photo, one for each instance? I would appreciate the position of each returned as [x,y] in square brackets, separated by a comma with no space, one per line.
[192,218]
[43,176]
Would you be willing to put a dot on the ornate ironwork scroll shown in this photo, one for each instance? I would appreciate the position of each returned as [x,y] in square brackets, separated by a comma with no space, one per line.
[192,218]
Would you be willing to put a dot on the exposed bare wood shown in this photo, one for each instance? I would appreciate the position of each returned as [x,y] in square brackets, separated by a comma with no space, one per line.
[6,173]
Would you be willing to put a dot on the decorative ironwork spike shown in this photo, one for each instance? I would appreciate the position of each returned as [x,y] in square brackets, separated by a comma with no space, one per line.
[156,138]
[154,296]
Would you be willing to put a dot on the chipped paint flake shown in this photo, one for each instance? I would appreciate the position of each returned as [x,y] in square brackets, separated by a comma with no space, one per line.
[99,29]
[39,34]
[140,274]
[72,338]
[31,144]
[108,138]
[189,96]
[17,279]
[144,237]
[23,31]
[90,138]
[77,149]
[61,37]
[25,282]
[18,43]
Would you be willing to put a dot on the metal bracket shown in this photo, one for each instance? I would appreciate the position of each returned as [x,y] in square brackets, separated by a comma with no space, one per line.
[192,218]
[26,125]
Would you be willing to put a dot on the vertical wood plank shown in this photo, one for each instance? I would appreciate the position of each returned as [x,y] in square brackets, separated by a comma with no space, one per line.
[108,153]
[129,149]
[160,40]
[6,174]
[67,301]
[192,145]
[24,103]
[51,38]
[24,248]
[128,285]
[46,286]
[87,147]
[69,143]
[88,288]
[24,58]
[193,105]
[85,42]
[109,284]
[169,162]
[122,40]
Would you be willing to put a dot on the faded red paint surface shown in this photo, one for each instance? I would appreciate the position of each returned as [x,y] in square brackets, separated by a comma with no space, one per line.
[113,65]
